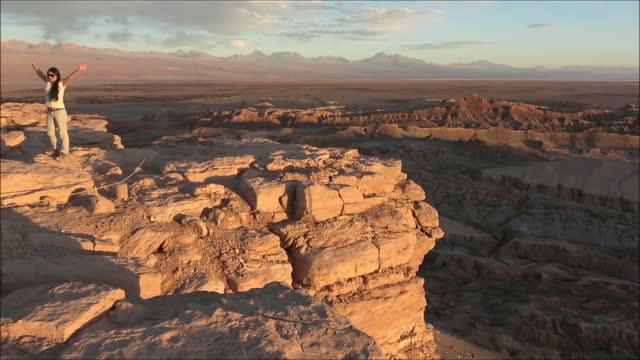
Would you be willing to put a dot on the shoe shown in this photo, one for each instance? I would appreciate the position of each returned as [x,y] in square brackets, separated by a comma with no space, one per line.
[53,153]
[61,156]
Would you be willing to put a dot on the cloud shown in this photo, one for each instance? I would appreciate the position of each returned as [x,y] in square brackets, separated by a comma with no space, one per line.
[443,45]
[62,19]
[119,36]
[183,39]
[379,20]
[238,44]
[541,26]
[300,36]
[188,20]
[355,21]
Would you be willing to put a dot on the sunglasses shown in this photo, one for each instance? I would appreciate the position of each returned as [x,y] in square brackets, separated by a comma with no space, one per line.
[51,75]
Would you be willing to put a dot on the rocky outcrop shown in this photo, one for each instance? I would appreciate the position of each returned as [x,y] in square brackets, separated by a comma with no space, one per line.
[272,322]
[26,183]
[48,315]
[474,111]
[230,216]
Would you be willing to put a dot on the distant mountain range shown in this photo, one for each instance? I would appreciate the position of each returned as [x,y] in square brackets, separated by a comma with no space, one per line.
[121,65]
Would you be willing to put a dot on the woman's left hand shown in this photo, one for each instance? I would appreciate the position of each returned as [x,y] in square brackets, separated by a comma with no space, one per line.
[82,67]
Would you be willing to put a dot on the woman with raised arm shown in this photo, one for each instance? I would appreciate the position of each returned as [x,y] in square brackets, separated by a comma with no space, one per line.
[56,113]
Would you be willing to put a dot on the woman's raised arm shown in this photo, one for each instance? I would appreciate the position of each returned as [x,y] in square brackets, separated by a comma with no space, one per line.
[38,71]
[66,80]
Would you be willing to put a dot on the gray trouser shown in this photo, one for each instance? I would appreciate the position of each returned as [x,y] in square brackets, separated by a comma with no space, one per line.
[57,123]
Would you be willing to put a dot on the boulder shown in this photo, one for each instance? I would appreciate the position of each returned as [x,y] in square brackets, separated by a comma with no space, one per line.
[143,243]
[198,226]
[165,210]
[318,267]
[410,190]
[209,190]
[25,183]
[12,138]
[44,316]
[262,194]
[26,120]
[91,137]
[97,204]
[317,201]
[218,167]
[231,213]
[426,215]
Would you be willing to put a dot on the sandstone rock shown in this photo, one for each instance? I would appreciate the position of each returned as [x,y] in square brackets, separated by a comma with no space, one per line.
[198,226]
[12,138]
[389,130]
[317,201]
[44,316]
[106,167]
[399,308]
[100,205]
[265,262]
[209,190]
[411,191]
[143,243]
[126,274]
[395,248]
[204,282]
[350,194]
[218,167]
[363,205]
[321,267]
[347,247]
[91,137]
[24,183]
[27,120]
[231,213]
[423,245]
[259,321]
[165,210]
[88,123]
[375,184]
[391,168]
[262,194]
[345,180]
[426,215]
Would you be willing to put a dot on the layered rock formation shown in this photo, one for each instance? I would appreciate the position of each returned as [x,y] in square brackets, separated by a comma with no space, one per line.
[215,215]
[470,112]
[526,257]
[542,214]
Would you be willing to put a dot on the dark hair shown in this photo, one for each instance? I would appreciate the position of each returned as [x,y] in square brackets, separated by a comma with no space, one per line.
[53,93]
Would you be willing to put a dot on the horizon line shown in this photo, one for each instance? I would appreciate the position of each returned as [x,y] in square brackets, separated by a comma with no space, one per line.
[315,57]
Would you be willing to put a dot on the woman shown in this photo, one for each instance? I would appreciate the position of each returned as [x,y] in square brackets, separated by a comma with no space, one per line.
[56,113]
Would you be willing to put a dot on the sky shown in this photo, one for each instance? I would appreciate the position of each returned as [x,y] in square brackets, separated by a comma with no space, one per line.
[517,33]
